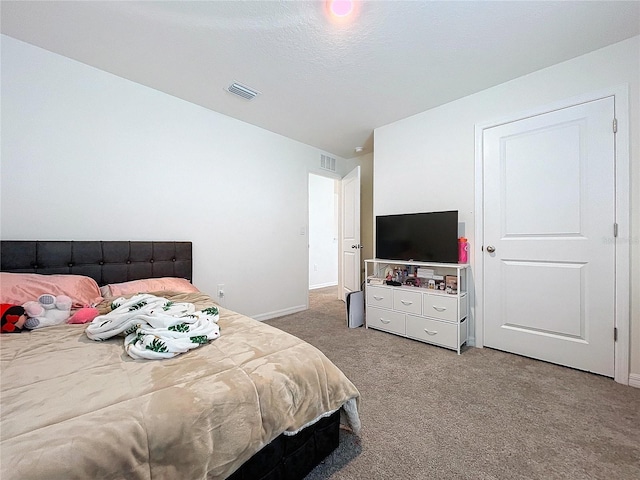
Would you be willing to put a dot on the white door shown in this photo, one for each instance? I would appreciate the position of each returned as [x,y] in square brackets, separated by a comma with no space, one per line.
[350,242]
[549,254]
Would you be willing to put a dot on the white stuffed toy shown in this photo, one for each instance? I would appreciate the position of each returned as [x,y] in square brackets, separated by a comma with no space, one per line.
[48,310]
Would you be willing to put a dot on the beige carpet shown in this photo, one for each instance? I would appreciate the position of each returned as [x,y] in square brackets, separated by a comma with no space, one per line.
[429,413]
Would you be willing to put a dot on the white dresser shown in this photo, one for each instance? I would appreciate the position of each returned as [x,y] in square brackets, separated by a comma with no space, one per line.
[426,314]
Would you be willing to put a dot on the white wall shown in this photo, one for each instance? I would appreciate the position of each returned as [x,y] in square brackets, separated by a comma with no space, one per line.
[87,155]
[323,231]
[429,157]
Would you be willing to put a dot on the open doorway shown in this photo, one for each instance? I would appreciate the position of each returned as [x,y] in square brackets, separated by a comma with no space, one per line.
[336,209]
[323,231]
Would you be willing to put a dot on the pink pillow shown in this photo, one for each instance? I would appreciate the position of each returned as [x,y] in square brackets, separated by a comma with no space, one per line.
[84,315]
[152,285]
[19,288]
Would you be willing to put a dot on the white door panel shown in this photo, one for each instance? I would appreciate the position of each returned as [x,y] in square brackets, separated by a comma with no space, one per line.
[553,290]
[350,248]
[549,192]
[558,147]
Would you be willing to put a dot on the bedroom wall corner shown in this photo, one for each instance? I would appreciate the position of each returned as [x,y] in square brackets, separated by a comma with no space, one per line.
[435,150]
[87,155]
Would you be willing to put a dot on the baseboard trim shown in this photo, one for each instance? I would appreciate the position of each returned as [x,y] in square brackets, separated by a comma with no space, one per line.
[634,380]
[279,313]
[323,285]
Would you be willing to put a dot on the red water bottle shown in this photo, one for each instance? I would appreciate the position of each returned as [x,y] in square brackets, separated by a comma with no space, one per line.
[463,250]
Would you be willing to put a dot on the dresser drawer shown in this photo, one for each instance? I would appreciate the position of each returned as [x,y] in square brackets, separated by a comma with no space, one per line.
[379,296]
[432,331]
[440,306]
[407,301]
[386,320]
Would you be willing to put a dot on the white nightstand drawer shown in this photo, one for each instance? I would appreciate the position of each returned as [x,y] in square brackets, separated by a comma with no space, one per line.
[441,306]
[407,301]
[433,331]
[385,320]
[379,296]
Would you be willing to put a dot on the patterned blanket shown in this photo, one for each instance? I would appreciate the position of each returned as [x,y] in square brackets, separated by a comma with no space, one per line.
[155,327]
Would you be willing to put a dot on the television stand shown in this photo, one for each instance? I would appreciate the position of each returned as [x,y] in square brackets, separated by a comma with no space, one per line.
[420,308]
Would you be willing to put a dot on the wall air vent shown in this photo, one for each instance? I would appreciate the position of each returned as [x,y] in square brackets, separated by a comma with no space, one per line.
[242,91]
[327,163]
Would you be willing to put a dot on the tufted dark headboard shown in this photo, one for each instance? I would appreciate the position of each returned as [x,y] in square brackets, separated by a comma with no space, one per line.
[105,262]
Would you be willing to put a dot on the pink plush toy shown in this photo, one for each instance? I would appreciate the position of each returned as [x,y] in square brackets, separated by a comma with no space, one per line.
[84,315]
[48,310]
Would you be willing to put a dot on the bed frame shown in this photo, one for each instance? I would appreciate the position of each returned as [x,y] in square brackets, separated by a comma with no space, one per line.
[286,457]
[105,262]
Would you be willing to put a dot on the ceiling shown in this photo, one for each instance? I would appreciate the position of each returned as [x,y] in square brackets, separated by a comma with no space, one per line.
[323,82]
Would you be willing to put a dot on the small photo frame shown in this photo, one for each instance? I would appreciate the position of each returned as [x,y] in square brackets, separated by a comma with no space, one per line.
[451,284]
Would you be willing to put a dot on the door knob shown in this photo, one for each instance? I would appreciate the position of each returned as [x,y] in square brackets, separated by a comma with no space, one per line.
[357,246]
[491,249]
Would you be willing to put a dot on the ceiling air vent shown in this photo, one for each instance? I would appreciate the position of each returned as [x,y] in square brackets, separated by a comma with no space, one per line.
[242,91]
[327,163]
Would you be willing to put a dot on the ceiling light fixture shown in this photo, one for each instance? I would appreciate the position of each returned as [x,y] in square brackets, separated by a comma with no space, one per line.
[340,8]
[358,149]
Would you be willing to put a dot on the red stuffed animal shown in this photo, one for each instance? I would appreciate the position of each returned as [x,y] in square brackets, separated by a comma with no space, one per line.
[13,318]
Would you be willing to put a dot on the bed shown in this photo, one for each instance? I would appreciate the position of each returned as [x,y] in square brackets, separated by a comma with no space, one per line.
[255,403]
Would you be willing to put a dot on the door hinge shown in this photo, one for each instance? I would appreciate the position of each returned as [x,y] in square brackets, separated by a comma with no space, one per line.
[615,230]
[615,334]
[615,125]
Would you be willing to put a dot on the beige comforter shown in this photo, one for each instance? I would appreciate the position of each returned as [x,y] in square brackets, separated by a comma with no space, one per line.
[76,408]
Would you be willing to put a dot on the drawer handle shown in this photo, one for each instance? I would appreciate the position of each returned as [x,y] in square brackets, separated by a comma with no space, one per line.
[431,332]
[384,321]
[406,302]
[439,309]
[378,298]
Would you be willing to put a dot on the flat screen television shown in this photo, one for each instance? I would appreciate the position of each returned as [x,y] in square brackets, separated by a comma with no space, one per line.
[421,237]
